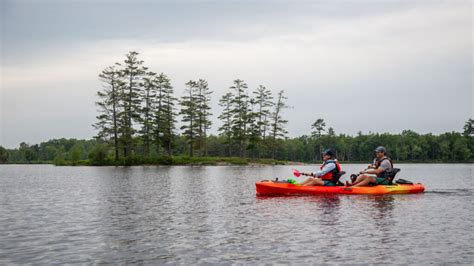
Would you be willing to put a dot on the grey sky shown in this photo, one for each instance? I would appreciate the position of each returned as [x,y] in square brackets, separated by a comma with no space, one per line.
[339,60]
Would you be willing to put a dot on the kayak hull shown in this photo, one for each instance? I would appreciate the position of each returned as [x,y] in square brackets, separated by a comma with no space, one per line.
[269,188]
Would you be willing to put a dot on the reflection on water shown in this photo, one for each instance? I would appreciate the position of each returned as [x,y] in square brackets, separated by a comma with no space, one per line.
[383,206]
[191,215]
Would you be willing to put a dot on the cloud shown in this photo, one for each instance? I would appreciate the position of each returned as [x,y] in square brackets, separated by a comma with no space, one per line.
[410,55]
[390,39]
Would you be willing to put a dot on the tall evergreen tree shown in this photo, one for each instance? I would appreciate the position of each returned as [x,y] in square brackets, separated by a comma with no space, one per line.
[253,131]
[278,123]
[165,115]
[331,132]
[188,111]
[264,101]
[318,128]
[226,117]
[260,116]
[160,82]
[469,127]
[132,74]
[108,120]
[148,95]
[203,102]
[240,115]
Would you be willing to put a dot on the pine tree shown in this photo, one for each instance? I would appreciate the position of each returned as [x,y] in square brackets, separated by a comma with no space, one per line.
[132,74]
[331,132]
[158,111]
[278,123]
[253,132]
[165,115]
[468,127]
[240,115]
[108,120]
[226,116]
[148,95]
[263,98]
[318,128]
[203,101]
[261,110]
[188,111]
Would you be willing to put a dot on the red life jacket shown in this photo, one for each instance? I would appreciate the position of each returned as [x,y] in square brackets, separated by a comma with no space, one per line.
[332,175]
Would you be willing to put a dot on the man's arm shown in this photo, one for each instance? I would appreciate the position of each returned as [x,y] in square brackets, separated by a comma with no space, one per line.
[372,165]
[372,171]
[326,169]
[383,166]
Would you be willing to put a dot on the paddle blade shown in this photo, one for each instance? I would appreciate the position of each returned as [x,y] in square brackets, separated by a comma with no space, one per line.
[296,173]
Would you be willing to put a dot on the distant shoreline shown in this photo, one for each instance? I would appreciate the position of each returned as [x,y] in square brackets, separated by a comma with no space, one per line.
[218,161]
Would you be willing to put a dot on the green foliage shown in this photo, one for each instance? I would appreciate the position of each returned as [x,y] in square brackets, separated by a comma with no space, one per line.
[186,160]
[109,120]
[469,128]
[163,160]
[240,115]
[59,158]
[203,108]
[3,155]
[277,125]
[29,153]
[148,94]
[189,109]
[98,155]
[263,100]
[247,121]
[461,149]
[226,118]
[318,128]
[136,109]
[131,73]
[76,153]
[408,147]
[164,115]
[331,132]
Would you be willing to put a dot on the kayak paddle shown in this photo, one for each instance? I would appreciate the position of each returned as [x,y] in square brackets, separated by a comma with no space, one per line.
[296,173]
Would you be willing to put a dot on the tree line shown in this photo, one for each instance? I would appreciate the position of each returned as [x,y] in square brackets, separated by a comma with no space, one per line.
[408,146]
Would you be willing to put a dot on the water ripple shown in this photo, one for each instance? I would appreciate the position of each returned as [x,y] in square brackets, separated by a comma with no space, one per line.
[204,215]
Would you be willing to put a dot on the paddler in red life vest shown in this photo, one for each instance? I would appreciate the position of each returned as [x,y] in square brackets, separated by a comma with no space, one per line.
[328,173]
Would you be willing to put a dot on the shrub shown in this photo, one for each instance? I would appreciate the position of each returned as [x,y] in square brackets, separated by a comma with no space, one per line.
[98,155]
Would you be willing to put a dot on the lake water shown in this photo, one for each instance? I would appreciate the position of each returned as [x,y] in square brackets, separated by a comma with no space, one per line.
[187,215]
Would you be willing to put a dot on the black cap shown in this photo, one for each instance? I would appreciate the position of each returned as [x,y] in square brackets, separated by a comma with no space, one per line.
[380,149]
[329,152]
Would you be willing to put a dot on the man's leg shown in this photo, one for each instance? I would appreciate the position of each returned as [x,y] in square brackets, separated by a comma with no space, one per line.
[359,179]
[315,182]
[365,181]
[307,181]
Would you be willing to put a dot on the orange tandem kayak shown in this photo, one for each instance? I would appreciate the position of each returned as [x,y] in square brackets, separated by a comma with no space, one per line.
[269,188]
